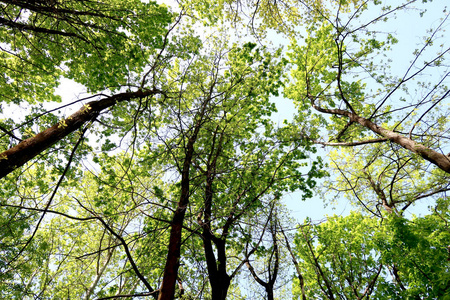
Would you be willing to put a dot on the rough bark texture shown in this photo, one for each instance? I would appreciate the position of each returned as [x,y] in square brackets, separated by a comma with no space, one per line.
[26,150]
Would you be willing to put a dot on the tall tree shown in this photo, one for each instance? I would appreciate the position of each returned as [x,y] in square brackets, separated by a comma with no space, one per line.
[340,74]
[163,182]
[206,127]
[86,41]
[356,257]
[226,151]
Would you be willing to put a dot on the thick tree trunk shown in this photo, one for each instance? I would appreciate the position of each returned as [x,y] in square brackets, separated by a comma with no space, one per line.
[217,273]
[167,291]
[26,150]
[269,291]
[220,284]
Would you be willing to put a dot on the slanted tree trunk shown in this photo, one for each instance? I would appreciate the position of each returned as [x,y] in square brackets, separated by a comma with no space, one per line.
[26,150]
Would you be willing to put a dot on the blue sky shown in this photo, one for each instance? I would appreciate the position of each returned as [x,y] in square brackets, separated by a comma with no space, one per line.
[410,29]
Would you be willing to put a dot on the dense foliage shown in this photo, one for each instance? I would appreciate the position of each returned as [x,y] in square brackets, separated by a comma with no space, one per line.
[165,177]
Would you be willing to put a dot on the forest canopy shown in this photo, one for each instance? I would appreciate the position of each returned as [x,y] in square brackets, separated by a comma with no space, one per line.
[142,155]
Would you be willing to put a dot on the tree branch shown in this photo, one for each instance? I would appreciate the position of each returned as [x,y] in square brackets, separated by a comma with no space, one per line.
[125,246]
[26,27]
[436,158]
[26,150]
[47,206]
[352,144]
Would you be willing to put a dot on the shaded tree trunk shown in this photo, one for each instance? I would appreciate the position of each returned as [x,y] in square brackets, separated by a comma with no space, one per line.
[218,277]
[26,150]
[167,291]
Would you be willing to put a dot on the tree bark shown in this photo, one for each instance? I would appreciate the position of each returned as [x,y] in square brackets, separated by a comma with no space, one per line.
[26,150]
[220,282]
[442,161]
[217,268]
[167,291]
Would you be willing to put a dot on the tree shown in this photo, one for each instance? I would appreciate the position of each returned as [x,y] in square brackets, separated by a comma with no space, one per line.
[338,73]
[385,179]
[207,124]
[167,179]
[80,40]
[338,258]
[356,257]
[347,98]
[227,167]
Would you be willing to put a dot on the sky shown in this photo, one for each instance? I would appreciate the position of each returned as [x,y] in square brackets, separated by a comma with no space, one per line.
[408,28]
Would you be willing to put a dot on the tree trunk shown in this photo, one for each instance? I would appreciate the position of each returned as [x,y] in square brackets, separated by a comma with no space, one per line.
[167,291]
[26,150]
[222,282]
[217,271]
